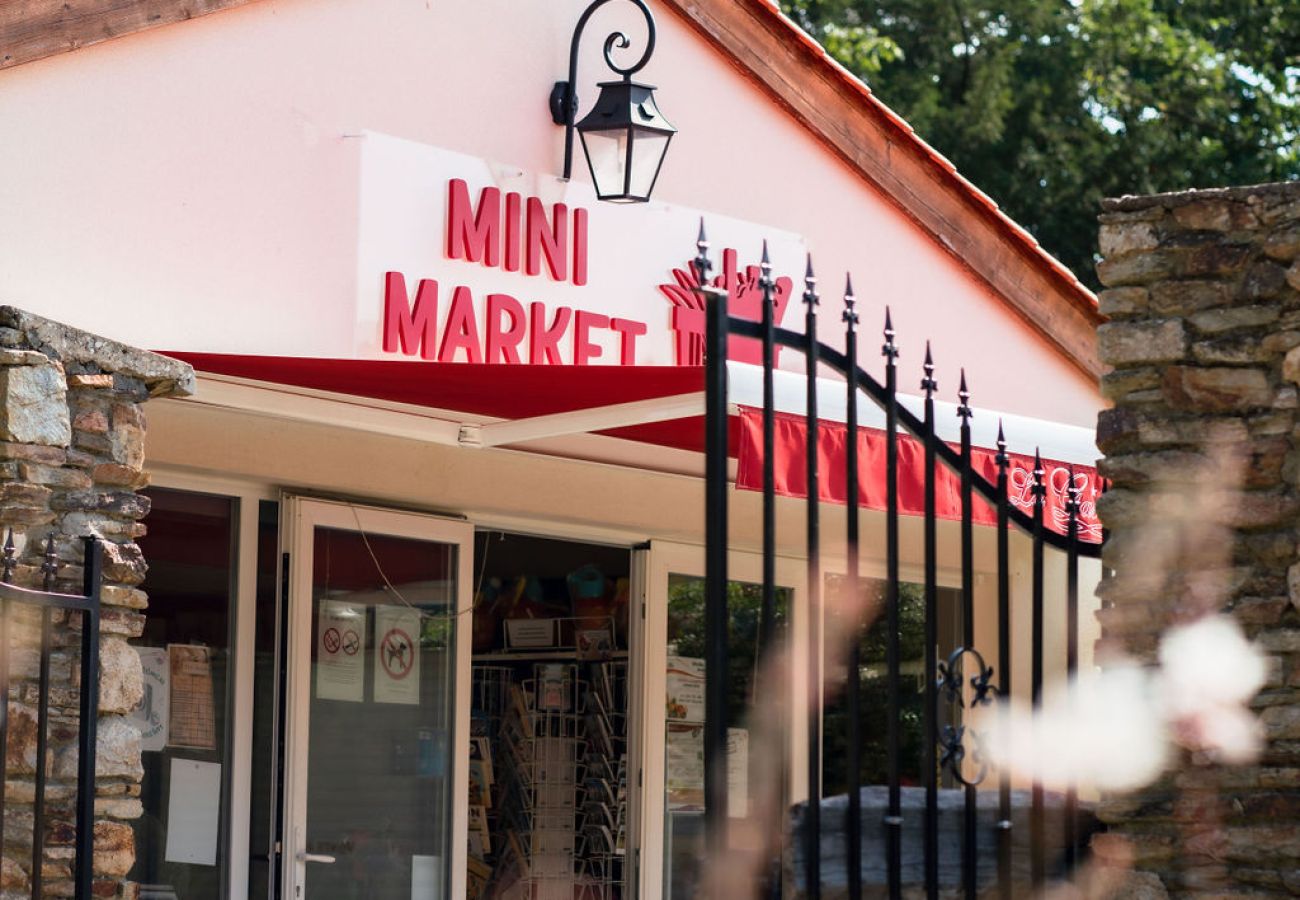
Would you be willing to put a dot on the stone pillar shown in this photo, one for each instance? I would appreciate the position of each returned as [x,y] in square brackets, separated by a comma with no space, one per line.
[72,433]
[1203,449]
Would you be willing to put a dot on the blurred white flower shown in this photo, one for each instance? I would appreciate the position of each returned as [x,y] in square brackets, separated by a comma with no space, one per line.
[1114,730]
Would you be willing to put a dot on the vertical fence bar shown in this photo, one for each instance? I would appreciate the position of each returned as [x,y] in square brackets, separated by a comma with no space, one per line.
[88,729]
[1004,660]
[1071,649]
[767,614]
[6,576]
[1038,855]
[853,766]
[969,821]
[894,815]
[931,712]
[812,830]
[48,567]
[715,559]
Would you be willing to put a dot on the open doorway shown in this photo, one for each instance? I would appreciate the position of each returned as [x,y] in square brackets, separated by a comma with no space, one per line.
[548,770]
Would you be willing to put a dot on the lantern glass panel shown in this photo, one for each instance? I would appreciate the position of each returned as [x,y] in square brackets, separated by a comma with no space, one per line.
[648,151]
[606,151]
[615,175]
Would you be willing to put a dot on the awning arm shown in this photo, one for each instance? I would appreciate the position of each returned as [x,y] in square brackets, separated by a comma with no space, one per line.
[582,421]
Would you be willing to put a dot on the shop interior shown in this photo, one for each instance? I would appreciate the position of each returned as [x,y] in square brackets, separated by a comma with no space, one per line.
[548,734]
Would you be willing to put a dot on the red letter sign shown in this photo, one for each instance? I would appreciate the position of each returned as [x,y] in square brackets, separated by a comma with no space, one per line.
[504,342]
[415,328]
[471,235]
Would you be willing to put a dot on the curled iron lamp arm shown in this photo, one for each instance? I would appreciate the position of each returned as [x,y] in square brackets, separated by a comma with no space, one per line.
[564,96]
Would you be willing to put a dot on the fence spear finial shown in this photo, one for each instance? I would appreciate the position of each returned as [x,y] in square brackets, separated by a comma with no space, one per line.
[1039,489]
[850,303]
[50,565]
[702,264]
[10,558]
[888,350]
[963,396]
[1001,459]
[810,287]
[928,384]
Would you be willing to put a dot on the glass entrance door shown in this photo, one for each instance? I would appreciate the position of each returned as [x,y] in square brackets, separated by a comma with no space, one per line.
[377,703]
[767,715]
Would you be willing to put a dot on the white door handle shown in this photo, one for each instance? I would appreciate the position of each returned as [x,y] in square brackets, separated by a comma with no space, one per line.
[315,857]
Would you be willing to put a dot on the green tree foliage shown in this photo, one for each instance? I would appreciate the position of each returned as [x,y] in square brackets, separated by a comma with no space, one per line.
[1050,105]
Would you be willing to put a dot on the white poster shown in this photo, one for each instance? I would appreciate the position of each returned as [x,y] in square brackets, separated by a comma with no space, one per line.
[684,769]
[685,689]
[397,655]
[152,714]
[193,812]
[737,773]
[341,652]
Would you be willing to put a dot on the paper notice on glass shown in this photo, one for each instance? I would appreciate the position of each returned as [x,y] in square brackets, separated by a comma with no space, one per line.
[193,812]
[341,651]
[151,715]
[397,655]
[426,877]
[685,689]
[192,722]
[737,773]
[684,767]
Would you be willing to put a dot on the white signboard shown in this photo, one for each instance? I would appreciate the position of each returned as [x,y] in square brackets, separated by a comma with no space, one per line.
[397,655]
[152,714]
[341,652]
[463,260]
[193,812]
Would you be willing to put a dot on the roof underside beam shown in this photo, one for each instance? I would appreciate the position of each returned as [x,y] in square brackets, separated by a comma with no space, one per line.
[34,29]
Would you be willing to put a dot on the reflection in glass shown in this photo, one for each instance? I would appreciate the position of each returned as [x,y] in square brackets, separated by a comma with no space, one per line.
[684,850]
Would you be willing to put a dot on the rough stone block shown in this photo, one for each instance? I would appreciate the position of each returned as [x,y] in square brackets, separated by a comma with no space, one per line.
[121,678]
[1215,215]
[1212,321]
[1176,298]
[1124,301]
[1218,259]
[1129,343]
[34,406]
[1263,281]
[1293,276]
[1284,244]
[1230,352]
[1218,389]
[1139,268]
[118,749]
[1120,238]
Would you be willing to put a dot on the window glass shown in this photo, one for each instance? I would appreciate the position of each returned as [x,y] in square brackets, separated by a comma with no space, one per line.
[184,717]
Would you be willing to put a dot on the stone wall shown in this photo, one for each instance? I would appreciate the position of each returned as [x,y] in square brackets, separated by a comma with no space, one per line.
[71,462]
[1203,448]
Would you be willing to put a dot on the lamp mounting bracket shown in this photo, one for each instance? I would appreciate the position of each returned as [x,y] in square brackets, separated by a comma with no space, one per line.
[563,101]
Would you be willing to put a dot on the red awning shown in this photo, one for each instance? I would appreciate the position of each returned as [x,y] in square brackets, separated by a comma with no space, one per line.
[498,391]
[514,392]
[791,473]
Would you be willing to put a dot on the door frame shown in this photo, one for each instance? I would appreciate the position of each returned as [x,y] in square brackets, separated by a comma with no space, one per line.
[299,516]
[664,558]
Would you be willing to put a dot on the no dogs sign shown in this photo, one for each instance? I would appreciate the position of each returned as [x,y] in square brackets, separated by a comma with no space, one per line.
[397,655]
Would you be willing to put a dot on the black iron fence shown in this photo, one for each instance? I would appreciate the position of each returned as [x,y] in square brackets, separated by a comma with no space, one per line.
[961,678]
[47,601]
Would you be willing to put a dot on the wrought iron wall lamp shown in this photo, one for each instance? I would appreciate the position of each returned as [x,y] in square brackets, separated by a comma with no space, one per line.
[625,137]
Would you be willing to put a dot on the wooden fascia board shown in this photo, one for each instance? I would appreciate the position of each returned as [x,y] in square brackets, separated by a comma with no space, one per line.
[872,145]
[34,29]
